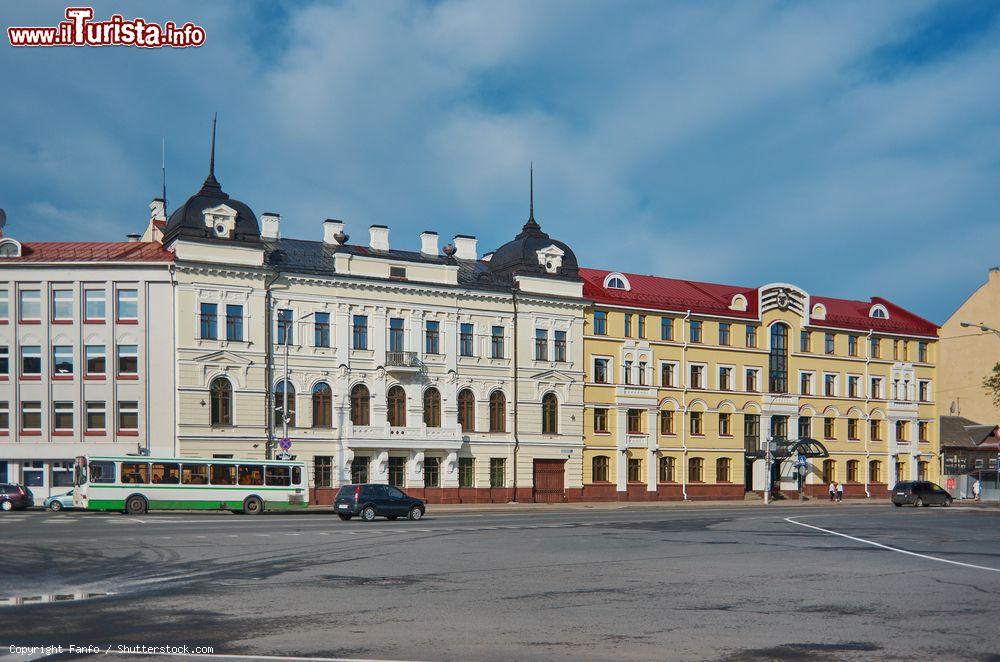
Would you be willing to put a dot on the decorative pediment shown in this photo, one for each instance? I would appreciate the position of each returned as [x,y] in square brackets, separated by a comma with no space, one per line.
[224,357]
[552,376]
[221,219]
[784,297]
[551,258]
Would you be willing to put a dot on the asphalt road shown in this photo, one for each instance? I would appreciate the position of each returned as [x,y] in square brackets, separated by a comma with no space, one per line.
[708,582]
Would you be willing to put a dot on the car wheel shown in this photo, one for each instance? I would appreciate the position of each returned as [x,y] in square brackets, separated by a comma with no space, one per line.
[253,506]
[919,502]
[135,505]
[344,517]
[6,505]
[55,506]
[368,513]
[416,513]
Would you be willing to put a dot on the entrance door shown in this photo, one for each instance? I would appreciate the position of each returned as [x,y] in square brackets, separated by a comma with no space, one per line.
[549,481]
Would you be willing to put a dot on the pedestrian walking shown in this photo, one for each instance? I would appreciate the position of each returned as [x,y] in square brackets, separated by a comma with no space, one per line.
[840,492]
[833,490]
[976,489]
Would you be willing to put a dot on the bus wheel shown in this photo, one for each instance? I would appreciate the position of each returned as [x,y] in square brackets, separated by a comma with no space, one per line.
[253,506]
[135,505]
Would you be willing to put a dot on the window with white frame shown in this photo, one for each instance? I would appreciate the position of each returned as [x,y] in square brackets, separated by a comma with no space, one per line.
[62,360]
[668,374]
[96,360]
[127,305]
[805,382]
[128,416]
[95,304]
[751,378]
[601,366]
[30,306]
[31,360]
[31,416]
[697,376]
[830,385]
[62,305]
[725,378]
[4,303]
[128,360]
[62,416]
[96,416]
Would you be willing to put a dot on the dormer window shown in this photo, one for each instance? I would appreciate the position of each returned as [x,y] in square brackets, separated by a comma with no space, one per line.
[879,312]
[551,259]
[10,248]
[221,221]
[616,281]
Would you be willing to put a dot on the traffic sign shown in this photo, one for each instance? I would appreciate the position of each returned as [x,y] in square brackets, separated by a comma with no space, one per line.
[285,444]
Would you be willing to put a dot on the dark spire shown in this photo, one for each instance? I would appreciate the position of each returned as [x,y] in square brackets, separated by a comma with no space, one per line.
[531,224]
[211,183]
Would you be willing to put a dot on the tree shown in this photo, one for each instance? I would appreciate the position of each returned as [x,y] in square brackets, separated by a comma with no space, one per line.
[992,384]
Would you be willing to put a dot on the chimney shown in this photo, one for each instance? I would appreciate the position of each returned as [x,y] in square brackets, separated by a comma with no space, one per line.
[429,242]
[133,237]
[994,273]
[488,256]
[270,226]
[158,210]
[466,246]
[379,238]
[331,227]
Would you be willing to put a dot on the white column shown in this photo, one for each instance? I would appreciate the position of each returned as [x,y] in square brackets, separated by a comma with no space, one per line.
[415,469]
[449,470]
[378,472]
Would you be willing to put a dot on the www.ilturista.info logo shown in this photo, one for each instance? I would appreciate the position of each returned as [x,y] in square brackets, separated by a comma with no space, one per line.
[79,29]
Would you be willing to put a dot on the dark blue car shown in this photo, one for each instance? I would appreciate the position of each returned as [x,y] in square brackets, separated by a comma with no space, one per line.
[370,500]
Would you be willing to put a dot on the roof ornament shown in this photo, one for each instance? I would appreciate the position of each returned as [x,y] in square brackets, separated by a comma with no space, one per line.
[531,224]
[449,250]
[211,183]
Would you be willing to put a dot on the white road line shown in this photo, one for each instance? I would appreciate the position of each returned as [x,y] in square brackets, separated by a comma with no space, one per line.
[283,658]
[892,549]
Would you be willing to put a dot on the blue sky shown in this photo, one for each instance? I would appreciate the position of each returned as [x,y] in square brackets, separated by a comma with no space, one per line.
[849,148]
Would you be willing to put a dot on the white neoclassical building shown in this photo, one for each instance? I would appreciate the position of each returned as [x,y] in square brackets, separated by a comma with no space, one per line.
[454,375]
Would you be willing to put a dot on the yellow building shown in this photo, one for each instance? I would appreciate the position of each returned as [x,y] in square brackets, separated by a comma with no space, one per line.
[686,382]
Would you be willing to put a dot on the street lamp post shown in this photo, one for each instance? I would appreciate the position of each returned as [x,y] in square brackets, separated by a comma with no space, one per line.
[982,327]
[284,376]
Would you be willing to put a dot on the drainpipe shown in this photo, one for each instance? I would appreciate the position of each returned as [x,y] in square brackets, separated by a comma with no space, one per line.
[269,362]
[171,270]
[517,440]
[868,395]
[684,404]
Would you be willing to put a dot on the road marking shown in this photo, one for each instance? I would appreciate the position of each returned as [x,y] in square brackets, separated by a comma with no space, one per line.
[283,658]
[892,549]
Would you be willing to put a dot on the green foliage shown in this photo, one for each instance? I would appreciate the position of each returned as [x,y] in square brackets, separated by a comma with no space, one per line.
[992,385]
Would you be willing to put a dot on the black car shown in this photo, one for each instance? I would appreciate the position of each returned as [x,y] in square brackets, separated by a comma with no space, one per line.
[920,493]
[15,497]
[369,501]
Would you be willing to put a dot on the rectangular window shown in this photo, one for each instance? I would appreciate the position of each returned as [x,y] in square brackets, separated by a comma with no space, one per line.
[128,416]
[876,348]
[432,472]
[725,429]
[274,476]
[323,471]
[829,428]
[600,419]
[321,329]
[496,342]
[922,355]
[223,474]
[397,273]
[234,322]
[95,360]
[465,341]
[696,423]
[906,350]
[751,335]
[805,341]
[852,386]
[96,417]
[498,474]
[360,332]
[634,421]
[207,321]
[805,383]
[852,429]
[62,305]
[31,360]
[4,304]
[666,328]
[627,372]
[560,346]
[666,422]
[4,360]
[924,391]
[805,427]
[62,360]
[135,472]
[541,345]
[601,371]
[600,323]
[62,416]
[466,472]
[852,345]
[128,305]
[895,350]
[751,379]
[876,390]
[922,431]
[628,325]
[642,326]
[95,305]
[128,360]
[666,374]
[697,373]
[641,373]
[194,474]
[31,416]
[359,468]
[250,474]
[830,346]
[695,331]
[830,385]
[634,470]
[902,431]
[432,340]
[724,334]
[666,470]
[876,430]
[725,379]
[285,332]
[396,334]
[30,306]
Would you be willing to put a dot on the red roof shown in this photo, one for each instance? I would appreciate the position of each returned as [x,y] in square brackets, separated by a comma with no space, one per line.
[671,294]
[92,251]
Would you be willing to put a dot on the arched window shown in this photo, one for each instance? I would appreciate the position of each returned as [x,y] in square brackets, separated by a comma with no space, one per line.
[432,408]
[722,466]
[852,471]
[600,469]
[498,412]
[778,382]
[279,403]
[467,410]
[666,470]
[874,471]
[322,405]
[360,405]
[396,407]
[696,470]
[222,401]
[829,471]
[550,414]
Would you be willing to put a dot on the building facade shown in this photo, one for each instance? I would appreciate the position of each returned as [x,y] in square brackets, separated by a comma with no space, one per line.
[969,352]
[86,356]
[687,382]
[454,377]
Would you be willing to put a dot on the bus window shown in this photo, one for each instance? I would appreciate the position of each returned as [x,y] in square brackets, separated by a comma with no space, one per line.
[296,475]
[194,474]
[166,472]
[252,474]
[223,474]
[102,472]
[277,476]
[135,472]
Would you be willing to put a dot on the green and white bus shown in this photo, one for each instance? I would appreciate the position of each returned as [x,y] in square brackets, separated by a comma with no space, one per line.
[135,484]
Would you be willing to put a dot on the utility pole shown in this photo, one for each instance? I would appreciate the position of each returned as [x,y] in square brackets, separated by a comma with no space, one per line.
[285,418]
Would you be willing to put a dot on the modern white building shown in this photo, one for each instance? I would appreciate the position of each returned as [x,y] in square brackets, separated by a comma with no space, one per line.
[86,356]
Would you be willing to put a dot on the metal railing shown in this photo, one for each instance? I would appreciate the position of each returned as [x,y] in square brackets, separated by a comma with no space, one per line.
[402,360]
